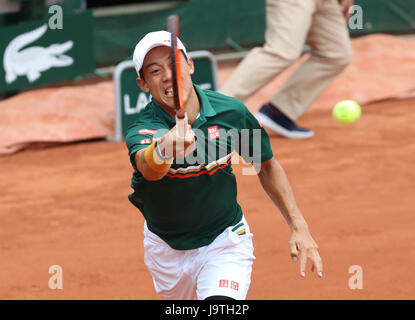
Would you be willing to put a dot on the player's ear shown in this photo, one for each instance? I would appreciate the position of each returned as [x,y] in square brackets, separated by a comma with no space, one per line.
[191,65]
[143,85]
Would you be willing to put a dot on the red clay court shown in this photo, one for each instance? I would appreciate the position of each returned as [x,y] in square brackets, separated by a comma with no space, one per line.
[67,205]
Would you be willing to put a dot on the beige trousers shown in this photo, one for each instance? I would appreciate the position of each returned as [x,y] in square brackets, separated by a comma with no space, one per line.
[291,23]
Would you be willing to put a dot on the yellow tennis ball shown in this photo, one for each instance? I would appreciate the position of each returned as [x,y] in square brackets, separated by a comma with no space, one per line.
[347,111]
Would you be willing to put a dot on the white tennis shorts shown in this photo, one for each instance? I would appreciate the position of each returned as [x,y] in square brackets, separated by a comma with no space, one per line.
[221,268]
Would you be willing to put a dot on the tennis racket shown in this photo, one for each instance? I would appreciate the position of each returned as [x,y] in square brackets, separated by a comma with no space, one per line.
[181,115]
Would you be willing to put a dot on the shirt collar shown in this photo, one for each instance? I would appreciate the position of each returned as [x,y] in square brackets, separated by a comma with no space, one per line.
[206,109]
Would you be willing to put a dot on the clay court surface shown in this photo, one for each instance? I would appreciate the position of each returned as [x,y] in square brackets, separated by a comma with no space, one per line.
[67,205]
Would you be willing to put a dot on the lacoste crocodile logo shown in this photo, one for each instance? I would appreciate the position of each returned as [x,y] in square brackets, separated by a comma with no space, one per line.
[30,62]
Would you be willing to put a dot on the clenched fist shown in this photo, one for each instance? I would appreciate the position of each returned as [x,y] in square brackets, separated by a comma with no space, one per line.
[177,144]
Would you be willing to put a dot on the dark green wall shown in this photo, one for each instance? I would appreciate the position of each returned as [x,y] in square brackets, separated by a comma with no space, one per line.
[209,24]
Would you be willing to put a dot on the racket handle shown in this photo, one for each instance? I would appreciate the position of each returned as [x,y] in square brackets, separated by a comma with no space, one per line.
[181,125]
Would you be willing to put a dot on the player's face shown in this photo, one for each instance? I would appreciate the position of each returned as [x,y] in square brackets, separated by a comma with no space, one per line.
[158,77]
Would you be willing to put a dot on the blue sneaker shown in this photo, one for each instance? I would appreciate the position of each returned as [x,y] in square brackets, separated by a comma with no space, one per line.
[272,118]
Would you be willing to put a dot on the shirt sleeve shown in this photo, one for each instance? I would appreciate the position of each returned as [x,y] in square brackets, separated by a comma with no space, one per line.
[139,136]
[254,144]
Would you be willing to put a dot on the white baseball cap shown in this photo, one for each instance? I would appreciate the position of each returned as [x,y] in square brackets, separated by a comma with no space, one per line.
[150,41]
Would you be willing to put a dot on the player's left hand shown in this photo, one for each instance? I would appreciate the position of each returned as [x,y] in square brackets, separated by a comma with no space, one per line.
[345,5]
[302,244]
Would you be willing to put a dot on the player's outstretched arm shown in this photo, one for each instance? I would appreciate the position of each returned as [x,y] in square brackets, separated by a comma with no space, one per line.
[148,169]
[301,244]
[154,161]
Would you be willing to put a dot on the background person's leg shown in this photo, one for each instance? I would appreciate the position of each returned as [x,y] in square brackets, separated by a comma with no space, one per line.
[330,54]
[288,22]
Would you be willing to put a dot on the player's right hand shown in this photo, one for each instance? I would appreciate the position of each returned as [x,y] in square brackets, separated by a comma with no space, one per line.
[176,145]
[302,245]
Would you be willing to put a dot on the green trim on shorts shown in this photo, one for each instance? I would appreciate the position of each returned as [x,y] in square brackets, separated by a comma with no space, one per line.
[237,226]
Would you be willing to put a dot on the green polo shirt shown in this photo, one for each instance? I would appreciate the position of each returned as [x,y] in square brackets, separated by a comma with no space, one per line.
[196,200]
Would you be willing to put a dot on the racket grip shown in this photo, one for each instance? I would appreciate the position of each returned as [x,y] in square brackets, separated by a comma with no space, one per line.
[181,125]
